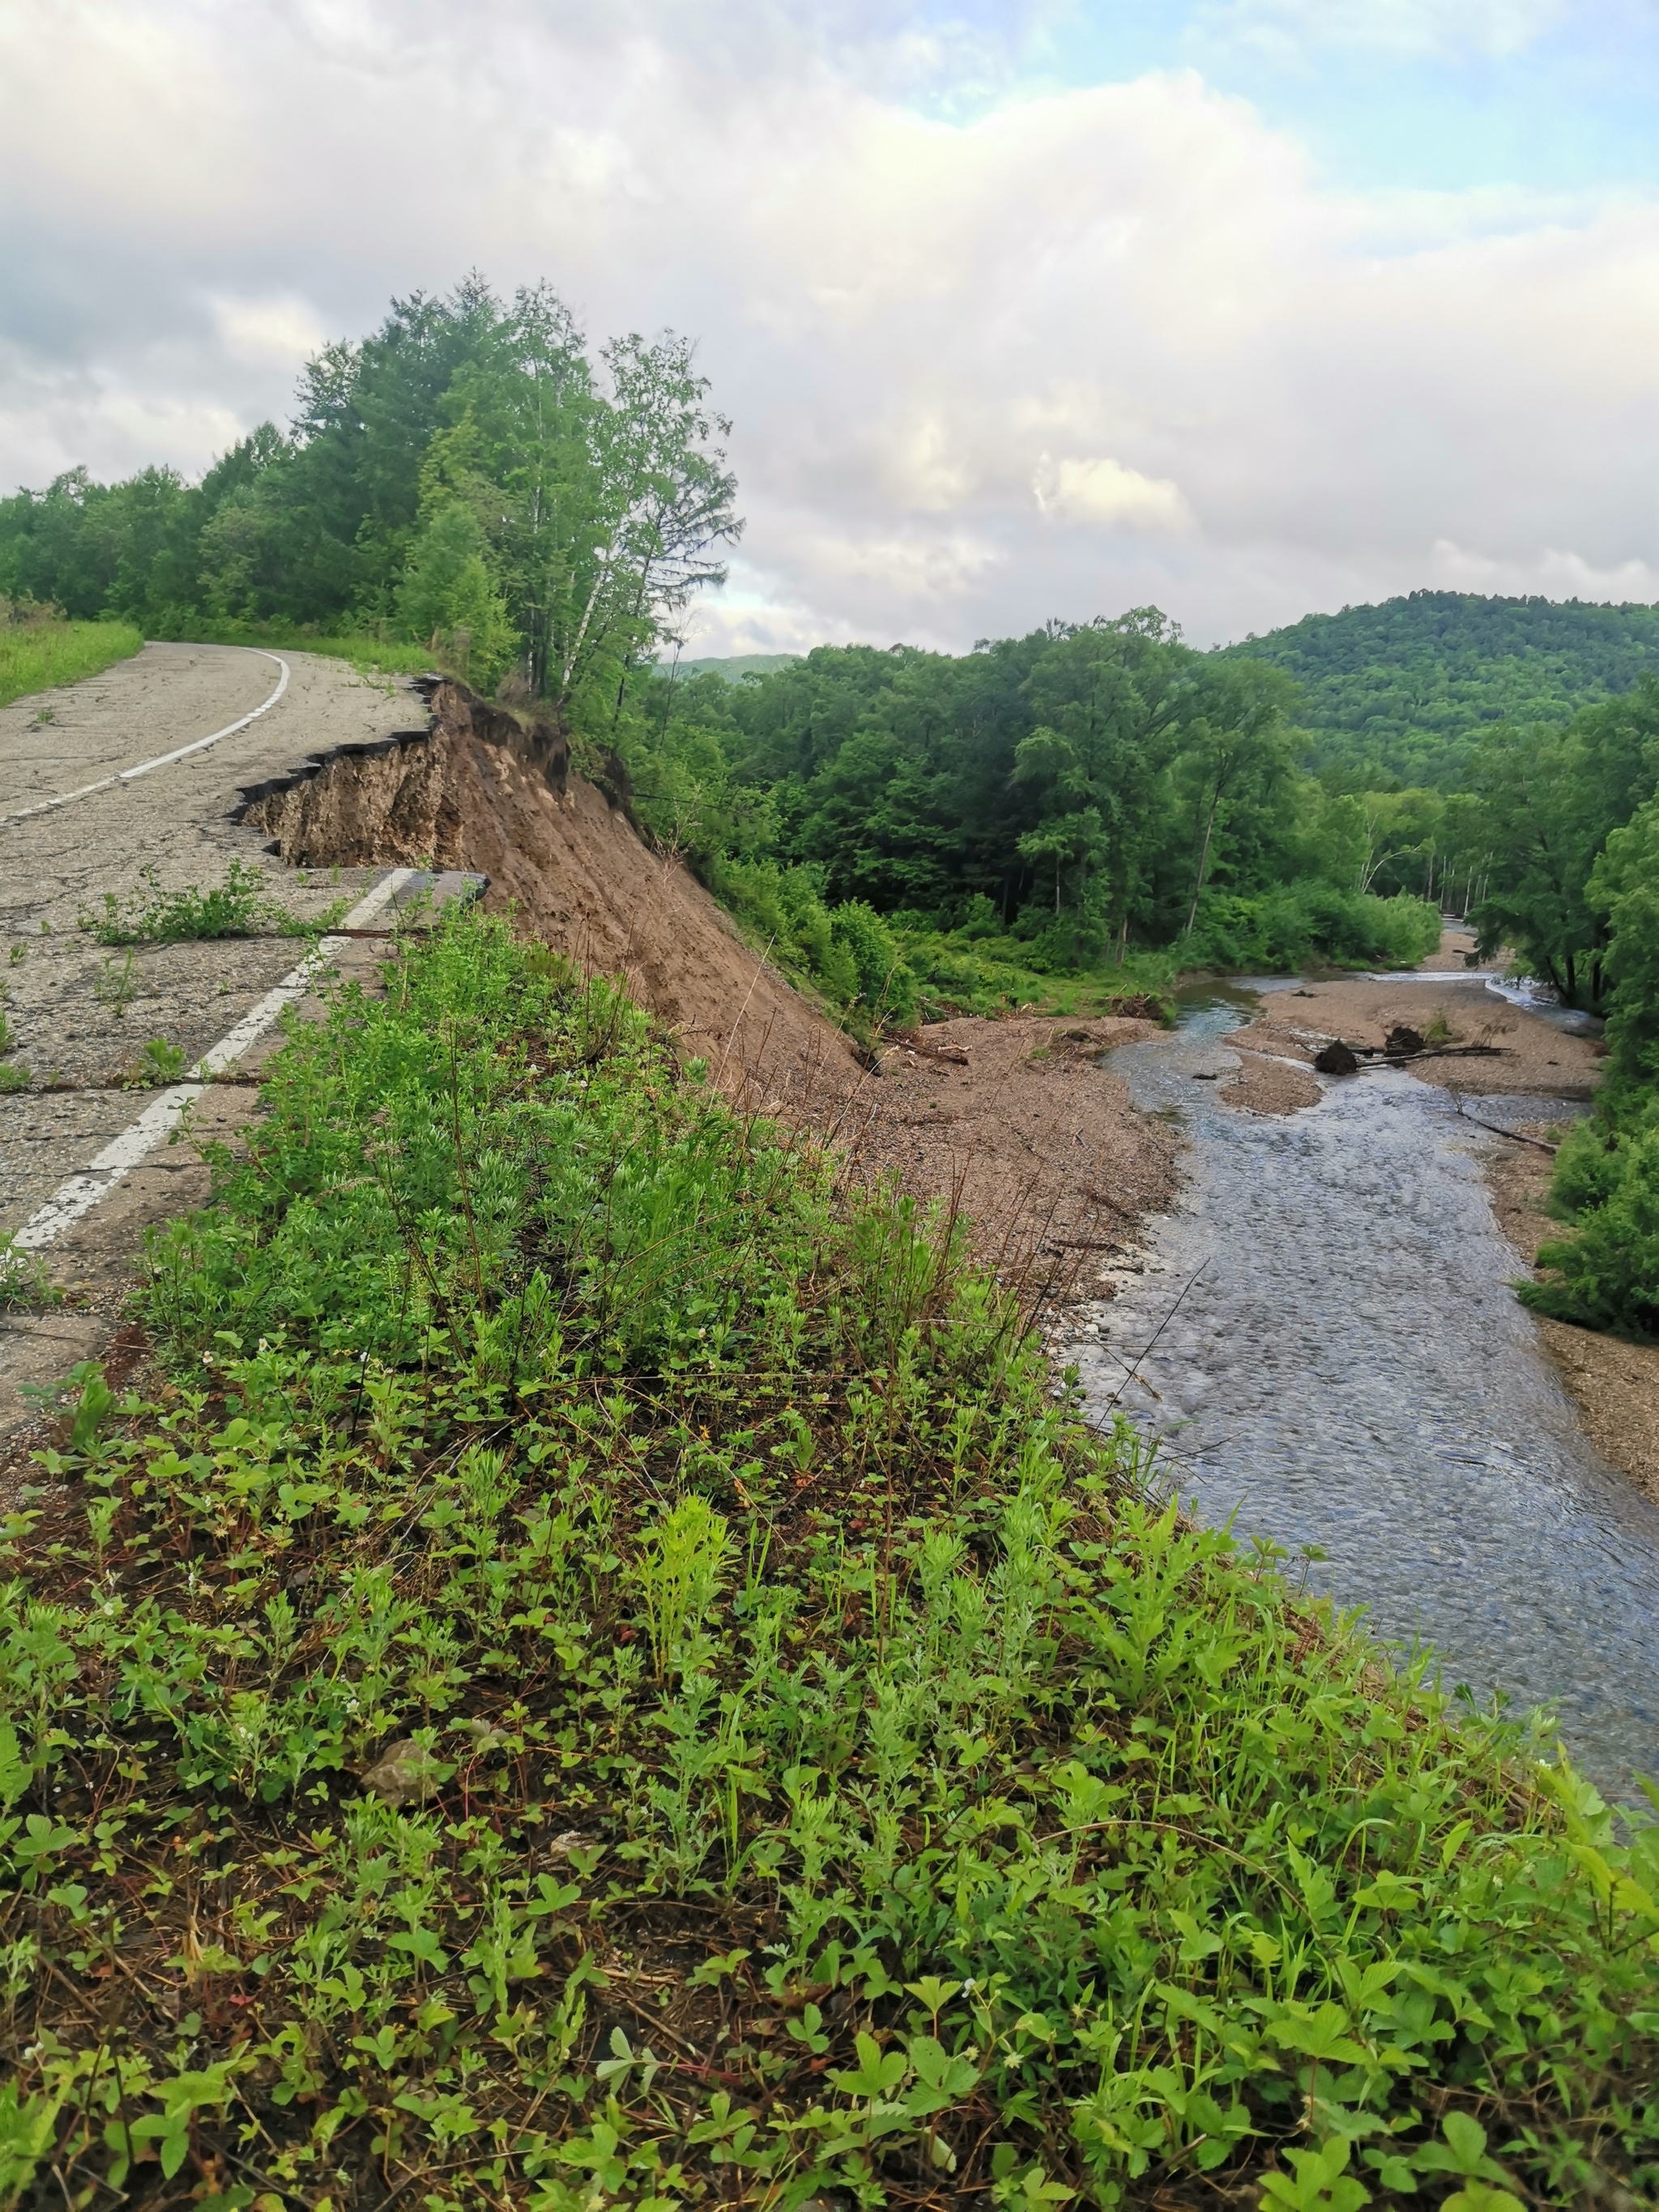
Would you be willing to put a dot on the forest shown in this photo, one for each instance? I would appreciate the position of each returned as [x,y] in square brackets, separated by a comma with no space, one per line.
[908,830]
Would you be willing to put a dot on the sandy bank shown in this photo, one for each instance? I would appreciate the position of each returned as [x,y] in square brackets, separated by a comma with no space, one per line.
[1016,1124]
[1524,1053]
[1614,1385]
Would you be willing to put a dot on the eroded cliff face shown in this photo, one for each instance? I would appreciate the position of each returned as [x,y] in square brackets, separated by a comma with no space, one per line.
[480,789]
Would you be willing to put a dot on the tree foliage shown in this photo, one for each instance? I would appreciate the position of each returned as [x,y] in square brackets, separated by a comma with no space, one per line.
[1072,791]
[1398,694]
[467,475]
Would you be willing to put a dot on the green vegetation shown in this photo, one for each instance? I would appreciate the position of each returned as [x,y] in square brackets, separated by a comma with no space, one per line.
[1398,694]
[1606,1274]
[38,652]
[238,906]
[466,481]
[369,654]
[606,1678]
[1049,803]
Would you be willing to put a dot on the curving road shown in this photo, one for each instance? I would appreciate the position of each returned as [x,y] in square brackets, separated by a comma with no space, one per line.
[81,1014]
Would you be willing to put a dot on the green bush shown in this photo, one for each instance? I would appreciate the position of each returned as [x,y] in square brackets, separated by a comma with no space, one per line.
[847,951]
[1605,1275]
[1311,921]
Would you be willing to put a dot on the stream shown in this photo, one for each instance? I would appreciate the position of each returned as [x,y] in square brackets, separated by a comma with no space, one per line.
[1342,1365]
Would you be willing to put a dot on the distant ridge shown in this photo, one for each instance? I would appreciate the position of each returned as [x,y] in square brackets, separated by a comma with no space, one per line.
[732,666]
[1400,690]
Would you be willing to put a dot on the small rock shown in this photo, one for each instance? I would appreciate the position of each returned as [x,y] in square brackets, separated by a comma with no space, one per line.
[1336,1059]
[407,1774]
[1401,1041]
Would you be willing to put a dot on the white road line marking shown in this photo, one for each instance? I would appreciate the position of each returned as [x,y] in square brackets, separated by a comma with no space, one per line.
[155,1125]
[161,760]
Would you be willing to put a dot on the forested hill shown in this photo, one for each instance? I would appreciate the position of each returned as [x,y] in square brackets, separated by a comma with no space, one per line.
[1396,693]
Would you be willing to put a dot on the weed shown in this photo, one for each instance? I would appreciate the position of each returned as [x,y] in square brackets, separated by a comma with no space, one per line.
[161,1063]
[24,1282]
[117,987]
[19,953]
[12,1078]
[37,656]
[238,906]
[605,1677]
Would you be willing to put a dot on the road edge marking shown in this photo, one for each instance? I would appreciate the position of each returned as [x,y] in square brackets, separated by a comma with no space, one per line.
[161,760]
[74,1199]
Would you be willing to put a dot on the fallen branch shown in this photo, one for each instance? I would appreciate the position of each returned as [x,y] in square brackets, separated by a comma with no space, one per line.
[1514,1135]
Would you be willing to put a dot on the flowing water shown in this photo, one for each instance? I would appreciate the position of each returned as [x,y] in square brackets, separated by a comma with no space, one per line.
[1341,1365]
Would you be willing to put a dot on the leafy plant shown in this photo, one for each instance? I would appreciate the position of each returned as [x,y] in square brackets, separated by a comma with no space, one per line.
[238,906]
[607,1670]
[162,1062]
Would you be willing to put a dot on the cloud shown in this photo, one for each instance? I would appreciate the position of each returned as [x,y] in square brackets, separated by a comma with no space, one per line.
[280,333]
[1102,493]
[1086,350]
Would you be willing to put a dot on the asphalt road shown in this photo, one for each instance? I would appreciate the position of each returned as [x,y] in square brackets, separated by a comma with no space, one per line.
[82,1013]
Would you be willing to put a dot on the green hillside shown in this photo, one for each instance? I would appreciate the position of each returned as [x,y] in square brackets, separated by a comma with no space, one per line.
[1396,692]
[733,667]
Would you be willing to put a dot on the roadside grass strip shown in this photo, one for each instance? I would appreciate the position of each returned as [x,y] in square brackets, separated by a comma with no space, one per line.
[595,1670]
[41,656]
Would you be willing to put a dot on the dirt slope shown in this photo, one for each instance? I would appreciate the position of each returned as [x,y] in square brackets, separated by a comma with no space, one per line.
[486,791]
[1010,1121]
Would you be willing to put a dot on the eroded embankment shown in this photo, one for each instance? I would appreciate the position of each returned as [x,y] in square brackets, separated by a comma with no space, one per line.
[483,790]
[1010,1121]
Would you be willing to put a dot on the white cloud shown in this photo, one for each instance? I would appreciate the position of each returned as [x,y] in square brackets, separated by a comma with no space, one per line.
[281,333]
[1551,571]
[1087,351]
[1102,493]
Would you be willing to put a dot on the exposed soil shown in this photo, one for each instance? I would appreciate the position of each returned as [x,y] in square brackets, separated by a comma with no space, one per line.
[1615,1385]
[1015,1123]
[1010,1121]
[485,791]
[1265,1084]
[1527,1054]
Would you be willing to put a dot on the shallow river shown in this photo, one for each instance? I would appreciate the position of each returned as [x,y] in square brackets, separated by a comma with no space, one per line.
[1348,1368]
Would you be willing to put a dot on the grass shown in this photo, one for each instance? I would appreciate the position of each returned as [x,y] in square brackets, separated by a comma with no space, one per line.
[605,1675]
[369,654]
[957,974]
[238,906]
[39,656]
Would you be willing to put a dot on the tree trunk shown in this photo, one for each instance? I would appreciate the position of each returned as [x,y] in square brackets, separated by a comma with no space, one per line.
[1203,860]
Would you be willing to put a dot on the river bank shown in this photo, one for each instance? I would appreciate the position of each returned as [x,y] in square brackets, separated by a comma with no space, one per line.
[1614,1385]
[1523,1056]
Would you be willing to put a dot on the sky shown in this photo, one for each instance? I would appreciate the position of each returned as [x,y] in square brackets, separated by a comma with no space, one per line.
[1019,308]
